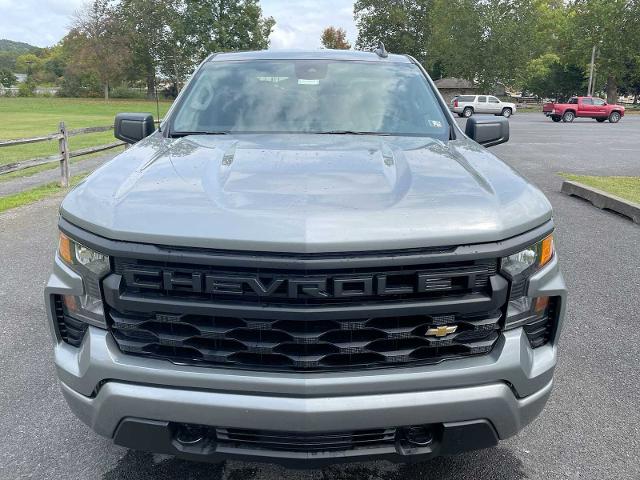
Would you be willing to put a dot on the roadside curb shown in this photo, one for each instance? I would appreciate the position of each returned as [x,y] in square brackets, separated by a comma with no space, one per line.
[602,200]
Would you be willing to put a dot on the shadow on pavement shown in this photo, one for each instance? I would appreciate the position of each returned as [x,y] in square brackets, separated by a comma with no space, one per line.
[142,465]
[495,463]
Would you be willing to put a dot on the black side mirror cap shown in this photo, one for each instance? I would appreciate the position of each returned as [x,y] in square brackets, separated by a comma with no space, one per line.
[133,127]
[488,131]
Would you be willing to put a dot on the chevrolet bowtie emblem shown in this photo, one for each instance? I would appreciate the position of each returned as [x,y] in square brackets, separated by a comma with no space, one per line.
[441,331]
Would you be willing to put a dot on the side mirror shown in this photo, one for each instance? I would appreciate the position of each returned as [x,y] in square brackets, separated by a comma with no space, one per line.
[133,127]
[488,131]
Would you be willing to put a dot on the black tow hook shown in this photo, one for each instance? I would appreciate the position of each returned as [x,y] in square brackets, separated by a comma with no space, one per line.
[419,436]
[189,435]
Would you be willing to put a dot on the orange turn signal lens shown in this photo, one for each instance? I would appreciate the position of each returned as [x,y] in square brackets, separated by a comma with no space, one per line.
[541,304]
[70,302]
[64,249]
[546,251]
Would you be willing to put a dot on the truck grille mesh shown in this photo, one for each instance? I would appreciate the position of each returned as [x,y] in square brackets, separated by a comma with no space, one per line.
[187,325]
[302,344]
[299,442]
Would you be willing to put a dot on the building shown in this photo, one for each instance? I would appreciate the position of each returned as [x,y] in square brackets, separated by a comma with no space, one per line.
[450,87]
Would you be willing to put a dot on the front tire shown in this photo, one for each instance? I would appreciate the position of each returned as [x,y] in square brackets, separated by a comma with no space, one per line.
[615,117]
[556,118]
[507,112]
[468,112]
[568,117]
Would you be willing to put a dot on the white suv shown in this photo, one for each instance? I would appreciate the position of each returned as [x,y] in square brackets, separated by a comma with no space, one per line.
[467,105]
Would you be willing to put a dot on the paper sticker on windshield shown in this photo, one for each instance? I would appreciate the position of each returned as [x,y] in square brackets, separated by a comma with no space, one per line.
[302,81]
[435,123]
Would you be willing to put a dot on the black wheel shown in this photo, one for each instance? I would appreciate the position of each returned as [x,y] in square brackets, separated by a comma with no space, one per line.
[467,112]
[568,117]
[507,112]
[556,118]
[615,117]
[600,120]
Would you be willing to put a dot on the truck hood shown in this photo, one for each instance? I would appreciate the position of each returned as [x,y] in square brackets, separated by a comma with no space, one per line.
[306,194]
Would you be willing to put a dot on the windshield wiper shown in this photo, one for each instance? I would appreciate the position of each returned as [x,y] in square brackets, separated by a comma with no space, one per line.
[186,134]
[352,132]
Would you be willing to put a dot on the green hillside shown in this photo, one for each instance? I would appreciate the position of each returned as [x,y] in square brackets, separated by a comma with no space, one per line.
[15,47]
[10,50]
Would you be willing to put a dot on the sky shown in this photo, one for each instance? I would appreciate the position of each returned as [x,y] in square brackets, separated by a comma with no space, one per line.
[299,22]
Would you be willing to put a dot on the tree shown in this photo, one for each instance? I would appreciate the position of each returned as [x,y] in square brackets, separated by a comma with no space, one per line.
[100,47]
[27,88]
[538,76]
[631,79]
[28,63]
[225,25]
[403,25]
[546,76]
[455,36]
[611,26]
[335,38]
[488,41]
[7,78]
[544,45]
[53,63]
[153,29]
[77,80]
[175,64]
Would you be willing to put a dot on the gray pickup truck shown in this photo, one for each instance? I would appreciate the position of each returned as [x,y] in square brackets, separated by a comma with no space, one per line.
[308,262]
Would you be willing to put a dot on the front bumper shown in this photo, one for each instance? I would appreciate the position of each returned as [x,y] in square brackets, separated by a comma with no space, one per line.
[111,391]
[122,410]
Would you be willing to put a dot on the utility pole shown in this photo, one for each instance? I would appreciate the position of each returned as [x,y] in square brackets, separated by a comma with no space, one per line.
[591,82]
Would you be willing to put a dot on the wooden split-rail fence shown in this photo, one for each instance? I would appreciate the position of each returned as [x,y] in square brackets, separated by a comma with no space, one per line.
[64,153]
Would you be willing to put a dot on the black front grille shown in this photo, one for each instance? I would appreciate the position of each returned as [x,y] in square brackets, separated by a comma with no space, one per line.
[304,344]
[71,330]
[335,317]
[299,442]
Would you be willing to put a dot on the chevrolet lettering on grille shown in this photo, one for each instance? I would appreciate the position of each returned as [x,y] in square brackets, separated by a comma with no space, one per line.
[290,286]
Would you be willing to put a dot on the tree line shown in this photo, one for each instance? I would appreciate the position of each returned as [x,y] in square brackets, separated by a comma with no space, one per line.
[142,42]
[541,46]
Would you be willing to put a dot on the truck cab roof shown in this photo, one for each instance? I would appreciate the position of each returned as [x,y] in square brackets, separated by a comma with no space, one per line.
[344,55]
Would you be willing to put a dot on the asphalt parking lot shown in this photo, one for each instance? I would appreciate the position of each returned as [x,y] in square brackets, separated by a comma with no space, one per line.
[589,430]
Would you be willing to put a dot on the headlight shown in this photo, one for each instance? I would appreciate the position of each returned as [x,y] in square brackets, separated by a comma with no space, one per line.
[92,266]
[534,314]
[82,258]
[526,262]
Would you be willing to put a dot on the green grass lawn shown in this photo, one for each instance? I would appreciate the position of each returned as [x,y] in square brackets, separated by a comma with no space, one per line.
[624,187]
[31,117]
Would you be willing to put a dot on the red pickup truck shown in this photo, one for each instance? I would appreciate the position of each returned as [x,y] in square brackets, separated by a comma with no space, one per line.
[588,107]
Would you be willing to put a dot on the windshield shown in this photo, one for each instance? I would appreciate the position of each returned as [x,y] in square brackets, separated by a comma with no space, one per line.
[310,96]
